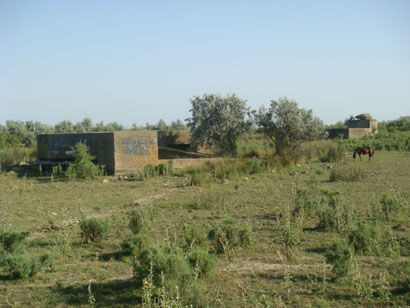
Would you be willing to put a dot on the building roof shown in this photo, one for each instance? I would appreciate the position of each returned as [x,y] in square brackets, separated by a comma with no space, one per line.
[364,116]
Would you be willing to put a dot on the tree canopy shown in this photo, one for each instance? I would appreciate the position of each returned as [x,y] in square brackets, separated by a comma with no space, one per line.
[218,121]
[287,125]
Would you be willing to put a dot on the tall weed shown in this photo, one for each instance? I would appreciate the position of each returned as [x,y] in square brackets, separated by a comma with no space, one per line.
[346,174]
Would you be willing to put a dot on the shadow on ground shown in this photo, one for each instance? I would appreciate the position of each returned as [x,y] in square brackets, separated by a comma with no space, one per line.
[116,293]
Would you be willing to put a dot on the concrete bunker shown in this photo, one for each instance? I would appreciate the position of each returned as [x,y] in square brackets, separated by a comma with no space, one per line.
[358,127]
[122,151]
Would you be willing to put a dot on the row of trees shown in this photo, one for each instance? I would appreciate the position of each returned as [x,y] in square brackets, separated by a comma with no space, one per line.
[19,132]
[219,121]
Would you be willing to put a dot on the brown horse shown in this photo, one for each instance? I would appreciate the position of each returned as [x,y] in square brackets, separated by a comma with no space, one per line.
[364,151]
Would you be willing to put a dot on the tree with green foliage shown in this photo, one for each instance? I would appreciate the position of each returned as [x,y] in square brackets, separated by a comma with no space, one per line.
[64,127]
[287,125]
[177,125]
[218,121]
[20,129]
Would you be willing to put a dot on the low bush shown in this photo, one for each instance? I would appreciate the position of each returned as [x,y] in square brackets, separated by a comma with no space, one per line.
[391,205]
[201,261]
[346,174]
[194,237]
[307,201]
[339,255]
[169,261]
[195,176]
[93,229]
[134,244]
[341,218]
[364,236]
[228,234]
[137,221]
[174,272]
[255,165]
[15,260]
[21,265]
[208,200]
[13,242]
[158,170]
[83,167]
[16,154]
[330,153]
[401,273]
[327,218]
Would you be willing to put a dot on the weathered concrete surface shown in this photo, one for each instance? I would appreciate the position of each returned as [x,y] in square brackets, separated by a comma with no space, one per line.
[173,137]
[357,133]
[363,125]
[122,151]
[134,150]
[58,147]
[335,133]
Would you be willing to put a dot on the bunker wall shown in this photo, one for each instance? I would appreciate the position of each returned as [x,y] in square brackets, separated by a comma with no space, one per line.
[134,149]
[335,133]
[358,123]
[357,133]
[58,147]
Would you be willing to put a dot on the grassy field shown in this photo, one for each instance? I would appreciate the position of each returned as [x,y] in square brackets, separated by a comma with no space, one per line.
[273,205]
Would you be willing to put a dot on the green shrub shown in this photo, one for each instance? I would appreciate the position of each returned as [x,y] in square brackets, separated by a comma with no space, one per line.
[208,200]
[245,237]
[16,154]
[331,153]
[391,206]
[195,176]
[401,273]
[340,255]
[331,197]
[170,261]
[21,265]
[327,218]
[201,261]
[318,171]
[364,236]
[134,244]
[93,229]
[137,221]
[158,170]
[83,167]
[228,234]
[255,165]
[341,218]
[306,201]
[13,241]
[194,237]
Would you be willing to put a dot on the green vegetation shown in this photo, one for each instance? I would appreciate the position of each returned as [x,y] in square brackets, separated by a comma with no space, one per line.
[157,240]
[15,260]
[214,235]
[218,121]
[83,167]
[93,229]
[287,125]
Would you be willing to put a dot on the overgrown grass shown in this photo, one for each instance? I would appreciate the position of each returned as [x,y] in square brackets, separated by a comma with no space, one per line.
[13,155]
[161,224]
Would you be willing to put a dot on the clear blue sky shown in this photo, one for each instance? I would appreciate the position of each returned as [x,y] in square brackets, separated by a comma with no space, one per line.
[141,61]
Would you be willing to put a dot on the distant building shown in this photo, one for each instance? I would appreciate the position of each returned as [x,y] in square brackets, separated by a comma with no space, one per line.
[362,125]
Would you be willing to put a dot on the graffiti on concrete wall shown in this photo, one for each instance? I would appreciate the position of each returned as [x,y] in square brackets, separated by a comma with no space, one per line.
[136,146]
